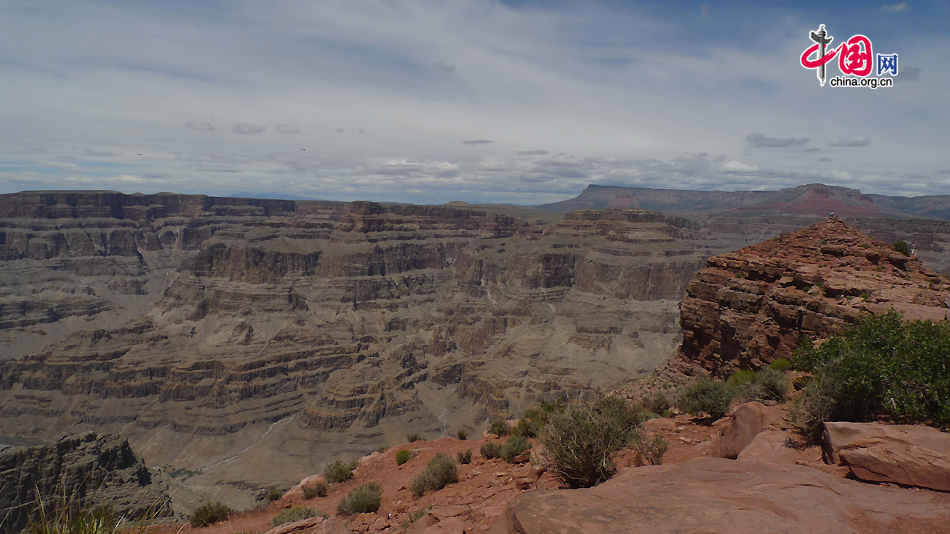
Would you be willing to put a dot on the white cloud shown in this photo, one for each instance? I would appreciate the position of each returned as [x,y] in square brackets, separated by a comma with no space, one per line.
[739,167]
[855,142]
[444,67]
[896,8]
[246,128]
[203,124]
[287,129]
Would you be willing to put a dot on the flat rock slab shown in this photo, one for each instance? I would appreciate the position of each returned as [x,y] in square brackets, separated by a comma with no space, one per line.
[912,455]
[716,495]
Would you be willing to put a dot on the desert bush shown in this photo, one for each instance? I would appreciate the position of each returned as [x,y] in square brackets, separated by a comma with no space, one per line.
[319,489]
[515,445]
[402,457]
[464,457]
[583,439]
[209,514]
[296,514]
[781,365]
[765,385]
[490,450]
[273,495]
[339,471]
[415,436]
[650,447]
[902,247]
[65,519]
[708,396]
[438,473]
[364,499]
[659,402]
[879,366]
[499,427]
[462,434]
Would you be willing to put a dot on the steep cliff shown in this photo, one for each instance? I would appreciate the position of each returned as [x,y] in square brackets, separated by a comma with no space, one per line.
[87,470]
[747,308]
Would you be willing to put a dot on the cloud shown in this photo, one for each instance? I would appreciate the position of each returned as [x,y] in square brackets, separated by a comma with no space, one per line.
[98,153]
[824,159]
[812,149]
[246,128]
[944,171]
[895,8]
[704,10]
[759,140]
[738,167]
[287,129]
[477,142]
[202,125]
[221,168]
[910,74]
[444,67]
[857,141]
[533,153]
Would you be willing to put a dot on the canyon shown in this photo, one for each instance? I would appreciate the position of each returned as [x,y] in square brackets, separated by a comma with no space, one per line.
[245,341]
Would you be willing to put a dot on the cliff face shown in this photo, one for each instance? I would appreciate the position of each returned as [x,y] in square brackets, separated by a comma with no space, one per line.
[747,308]
[306,330]
[87,470]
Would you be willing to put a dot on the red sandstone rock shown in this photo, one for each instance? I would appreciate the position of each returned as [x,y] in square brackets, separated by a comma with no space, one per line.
[747,308]
[746,422]
[715,495]
[906,454]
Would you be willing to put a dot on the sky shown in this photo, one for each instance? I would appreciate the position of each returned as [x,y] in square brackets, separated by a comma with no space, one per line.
[426,101]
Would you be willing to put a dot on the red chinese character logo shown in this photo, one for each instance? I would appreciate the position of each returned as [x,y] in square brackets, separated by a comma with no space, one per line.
[854,59]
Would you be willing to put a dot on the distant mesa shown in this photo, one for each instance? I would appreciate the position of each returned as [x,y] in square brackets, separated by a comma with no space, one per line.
[805,200]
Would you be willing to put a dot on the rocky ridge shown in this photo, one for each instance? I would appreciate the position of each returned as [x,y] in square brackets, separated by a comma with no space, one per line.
[88,470]
[747,308]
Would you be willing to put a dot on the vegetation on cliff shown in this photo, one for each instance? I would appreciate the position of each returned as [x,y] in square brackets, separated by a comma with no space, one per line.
[880,366]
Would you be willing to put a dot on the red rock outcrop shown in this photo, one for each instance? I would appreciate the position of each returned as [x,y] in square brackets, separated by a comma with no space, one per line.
[747,308]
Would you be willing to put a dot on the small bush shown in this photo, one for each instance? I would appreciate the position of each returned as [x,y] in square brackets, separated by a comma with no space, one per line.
[296,514]
[708,396]
[490,450]
[583,439]
[402,457]
[415,515]
[781,365]
[339,472]
[741,378]
[651,448]
[273,495]
[319,489]
[462,434]
[66,519]
[902,247]
[364,499]
[515,445]
[209,514]
[767,384]
[415,436]
[499,427]
[659,402]
[438,473]
[464,457]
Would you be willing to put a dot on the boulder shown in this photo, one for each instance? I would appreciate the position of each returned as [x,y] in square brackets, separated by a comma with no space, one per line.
[716,495]
[906,454]
[747,421]
[769,447]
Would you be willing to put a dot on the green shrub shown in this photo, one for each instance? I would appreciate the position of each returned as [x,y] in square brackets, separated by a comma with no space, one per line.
[339,472]
[462,434]
[708,396]
[273,495]
[66,519]
[499,427]
[438,473]
[879,366]
[902,247]
[319,489]
[651,448]
[415,515]
[364,499]
[296,514]
[515,445]
[402,457]
[765,385]
[741,378]
[583,439]
[490,450]
[781,365]
[659,402]
[209,514]
[415,436]
[464,457]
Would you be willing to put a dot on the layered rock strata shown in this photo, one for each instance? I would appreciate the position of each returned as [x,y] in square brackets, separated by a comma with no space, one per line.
[747,308]
[88,471]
